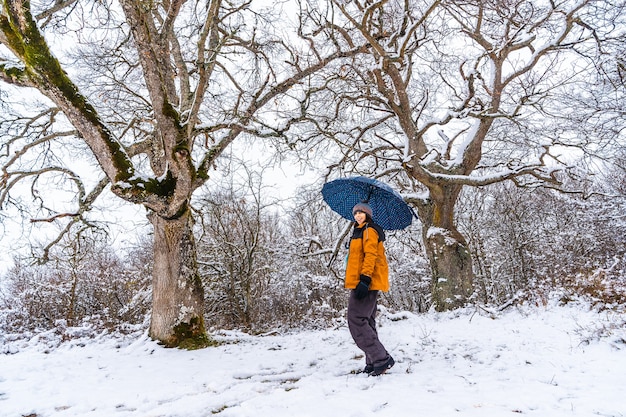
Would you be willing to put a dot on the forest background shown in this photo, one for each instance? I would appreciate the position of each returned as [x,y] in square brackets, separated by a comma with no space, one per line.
[500,122]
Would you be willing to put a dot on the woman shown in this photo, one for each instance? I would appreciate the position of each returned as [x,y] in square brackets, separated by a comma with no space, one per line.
[366,274]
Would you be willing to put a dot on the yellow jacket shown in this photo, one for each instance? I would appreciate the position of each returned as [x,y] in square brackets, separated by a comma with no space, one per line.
[366,256]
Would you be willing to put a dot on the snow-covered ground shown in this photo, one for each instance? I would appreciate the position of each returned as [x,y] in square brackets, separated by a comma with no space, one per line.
[546,361]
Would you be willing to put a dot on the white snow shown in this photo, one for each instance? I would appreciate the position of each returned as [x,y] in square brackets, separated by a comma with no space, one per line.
[540,361]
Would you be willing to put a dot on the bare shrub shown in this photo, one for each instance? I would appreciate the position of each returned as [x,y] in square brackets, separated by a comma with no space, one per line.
[86,284]
[531,243]
[255,275]
[409,272]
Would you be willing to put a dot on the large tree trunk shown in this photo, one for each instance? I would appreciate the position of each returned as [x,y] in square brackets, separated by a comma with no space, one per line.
[177,294]
[447,251]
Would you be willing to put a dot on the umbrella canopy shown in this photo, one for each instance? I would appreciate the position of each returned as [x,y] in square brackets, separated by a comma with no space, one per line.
[390,210]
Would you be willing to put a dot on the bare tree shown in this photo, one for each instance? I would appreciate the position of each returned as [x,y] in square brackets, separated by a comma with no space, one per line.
[238,237]
[450,94]
[156,90]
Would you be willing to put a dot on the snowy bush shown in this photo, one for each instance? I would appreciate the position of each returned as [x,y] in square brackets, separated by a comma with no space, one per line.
[409,272]
[84,286]
[528,243]
[256,272]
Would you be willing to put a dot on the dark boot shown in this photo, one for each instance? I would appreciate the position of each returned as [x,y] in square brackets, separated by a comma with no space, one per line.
[379,370]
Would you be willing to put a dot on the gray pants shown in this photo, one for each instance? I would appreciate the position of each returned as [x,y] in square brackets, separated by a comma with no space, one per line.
[362,325]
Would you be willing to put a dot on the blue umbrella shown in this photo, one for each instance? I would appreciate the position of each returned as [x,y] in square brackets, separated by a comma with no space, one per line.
[390,210]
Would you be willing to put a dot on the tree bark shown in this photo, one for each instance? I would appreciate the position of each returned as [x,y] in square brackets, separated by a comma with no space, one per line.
[447,251]
[177,294]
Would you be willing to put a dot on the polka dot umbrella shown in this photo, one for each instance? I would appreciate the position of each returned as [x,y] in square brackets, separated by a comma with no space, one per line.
[389,209]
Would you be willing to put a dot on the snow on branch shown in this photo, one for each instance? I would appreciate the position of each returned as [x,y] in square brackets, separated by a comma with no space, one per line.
[540,172]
